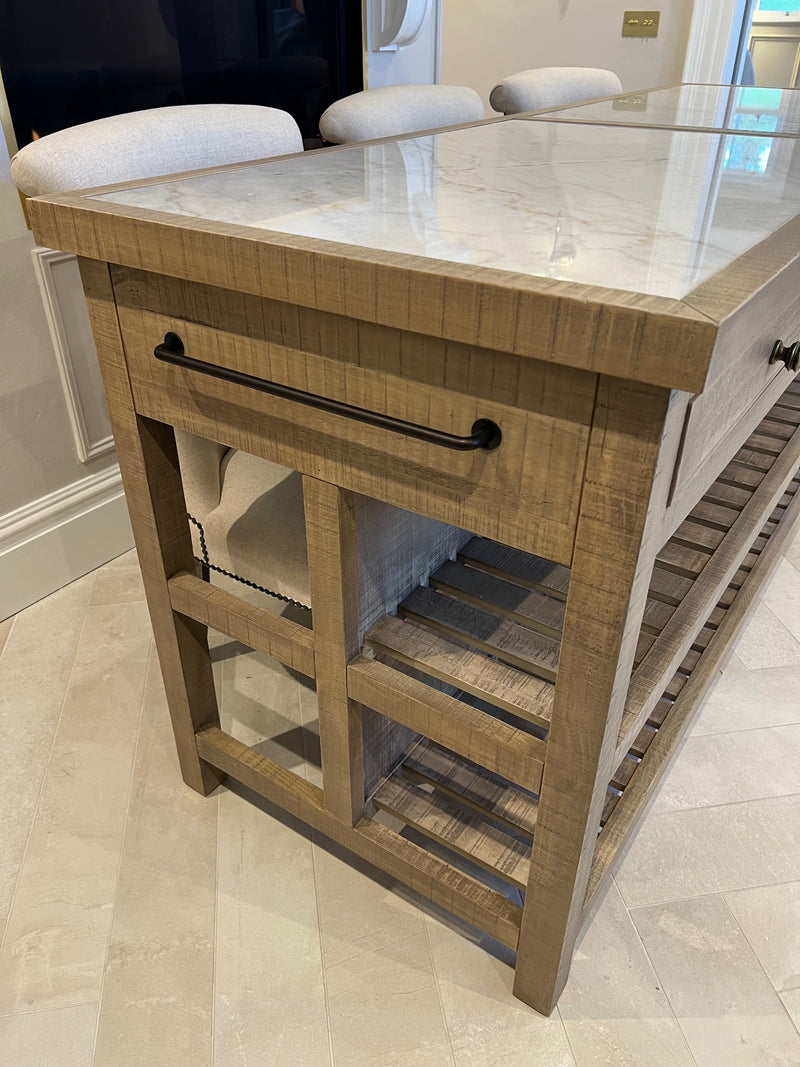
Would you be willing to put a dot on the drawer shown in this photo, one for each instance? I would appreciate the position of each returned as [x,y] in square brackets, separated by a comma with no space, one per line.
[525,492]
[742,386]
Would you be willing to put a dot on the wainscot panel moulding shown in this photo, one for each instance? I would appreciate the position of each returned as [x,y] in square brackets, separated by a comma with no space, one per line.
[62,295]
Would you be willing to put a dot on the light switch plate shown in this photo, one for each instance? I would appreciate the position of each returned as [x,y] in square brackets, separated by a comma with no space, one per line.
[640,23]
[632,102]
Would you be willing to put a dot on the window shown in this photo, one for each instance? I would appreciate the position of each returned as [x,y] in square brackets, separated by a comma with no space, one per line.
[788,7]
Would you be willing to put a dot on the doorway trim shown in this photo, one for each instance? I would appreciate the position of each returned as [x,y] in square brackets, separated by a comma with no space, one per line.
[714,41]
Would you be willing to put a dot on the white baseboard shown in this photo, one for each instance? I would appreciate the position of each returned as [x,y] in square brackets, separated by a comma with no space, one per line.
[52,541]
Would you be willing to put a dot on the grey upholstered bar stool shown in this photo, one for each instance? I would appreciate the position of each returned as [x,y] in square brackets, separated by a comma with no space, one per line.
[147,144]
[221,486]
[393,110]
[543,87]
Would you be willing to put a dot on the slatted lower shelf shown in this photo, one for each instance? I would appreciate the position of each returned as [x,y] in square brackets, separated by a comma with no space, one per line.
[463,826]
[489,625]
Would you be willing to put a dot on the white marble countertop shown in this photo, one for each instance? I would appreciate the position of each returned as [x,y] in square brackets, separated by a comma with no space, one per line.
[758,110]
[652,211]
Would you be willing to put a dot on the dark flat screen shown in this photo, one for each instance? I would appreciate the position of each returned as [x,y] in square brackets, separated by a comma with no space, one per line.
[67,63]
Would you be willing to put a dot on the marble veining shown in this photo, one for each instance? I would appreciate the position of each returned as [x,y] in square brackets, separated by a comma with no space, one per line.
[653,211]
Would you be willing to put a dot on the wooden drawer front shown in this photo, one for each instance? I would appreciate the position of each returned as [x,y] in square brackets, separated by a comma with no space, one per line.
[524,493]
[741,388]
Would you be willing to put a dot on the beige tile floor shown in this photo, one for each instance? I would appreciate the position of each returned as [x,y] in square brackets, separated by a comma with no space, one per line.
[145,925]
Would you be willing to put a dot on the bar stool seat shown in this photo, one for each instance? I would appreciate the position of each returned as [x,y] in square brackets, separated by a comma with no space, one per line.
[543,87]
[393,110]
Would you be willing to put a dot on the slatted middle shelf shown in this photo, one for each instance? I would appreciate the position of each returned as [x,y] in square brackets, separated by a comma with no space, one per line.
[708,532]
[481,643]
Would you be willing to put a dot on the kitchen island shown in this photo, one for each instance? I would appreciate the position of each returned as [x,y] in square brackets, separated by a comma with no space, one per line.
[573,342]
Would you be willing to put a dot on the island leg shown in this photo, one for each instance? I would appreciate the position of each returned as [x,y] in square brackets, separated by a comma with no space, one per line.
[331,533]
[608,586]
[148,462]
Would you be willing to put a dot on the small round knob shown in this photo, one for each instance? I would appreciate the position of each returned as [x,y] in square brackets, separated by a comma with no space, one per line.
[788,354]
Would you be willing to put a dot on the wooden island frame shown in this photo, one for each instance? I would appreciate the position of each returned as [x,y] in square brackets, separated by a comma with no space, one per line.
[645,485]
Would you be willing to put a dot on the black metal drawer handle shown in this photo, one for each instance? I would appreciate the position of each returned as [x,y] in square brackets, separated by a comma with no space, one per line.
[484,433]
[786,354]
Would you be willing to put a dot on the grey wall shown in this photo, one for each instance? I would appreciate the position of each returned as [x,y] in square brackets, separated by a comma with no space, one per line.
[483,42]
[37,451]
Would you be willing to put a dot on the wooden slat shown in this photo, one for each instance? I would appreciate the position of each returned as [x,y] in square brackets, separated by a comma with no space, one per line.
[612,798]
[687,562]
[789,404]
[747,564]
[660,712]
[624,772]
[768,445]
[718,516]
[513,644]
[671,690]
[728,595]
[732,558]
[449,824]
[414,866]
[640,744]
[749,457]
[523,695]
[743,477]
[522,605]
[668,587]
[531,571]
[698,536]
[473,786]
[783,415]
[772,427]
[472,733]
[643,646]
[760,543]
[703,638]
[656,615]
[664,746]
[730,496]
[777,514]
[276,637]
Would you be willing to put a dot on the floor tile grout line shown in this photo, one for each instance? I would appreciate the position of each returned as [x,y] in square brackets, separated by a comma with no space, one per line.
[312,839]
[7,637]
[47,1011]
[219,690]
[796,1025]
[745,730]
[711,893]
[151,659]
[572,1052]
[772,666]
[655,810]
[435,972]
[661,983]
[757,958]
[46,768]
[215,932]
[719,807]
